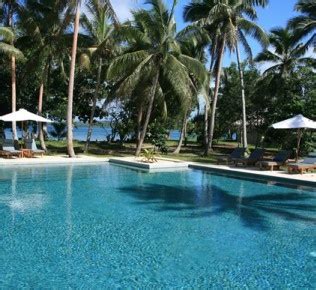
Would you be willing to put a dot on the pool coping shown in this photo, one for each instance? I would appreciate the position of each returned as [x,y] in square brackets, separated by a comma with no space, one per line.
[166,164]
[250,173]
[170,164]
[59,159]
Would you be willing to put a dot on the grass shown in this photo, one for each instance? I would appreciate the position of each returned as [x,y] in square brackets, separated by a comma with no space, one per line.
[191,152]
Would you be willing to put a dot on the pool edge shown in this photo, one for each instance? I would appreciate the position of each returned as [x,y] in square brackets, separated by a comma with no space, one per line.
[255,175]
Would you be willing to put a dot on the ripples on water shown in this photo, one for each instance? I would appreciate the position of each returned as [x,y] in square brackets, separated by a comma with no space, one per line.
[105,226]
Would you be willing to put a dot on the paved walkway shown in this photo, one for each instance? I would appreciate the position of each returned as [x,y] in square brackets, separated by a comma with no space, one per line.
[308,178]
[56,159]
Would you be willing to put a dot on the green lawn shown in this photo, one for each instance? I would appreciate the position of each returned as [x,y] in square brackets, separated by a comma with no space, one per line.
[191,152]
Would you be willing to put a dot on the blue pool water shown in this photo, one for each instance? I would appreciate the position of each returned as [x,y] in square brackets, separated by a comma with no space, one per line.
[96,226]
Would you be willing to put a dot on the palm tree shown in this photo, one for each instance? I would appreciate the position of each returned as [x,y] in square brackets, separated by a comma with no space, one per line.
[6,38]
[77,5]
[247,27]
[286,53]
[153,57]
[8,9]
[70,147]
[100,33]
[193,46]
[304,25]
[226,21]
[7,48]
[44,24]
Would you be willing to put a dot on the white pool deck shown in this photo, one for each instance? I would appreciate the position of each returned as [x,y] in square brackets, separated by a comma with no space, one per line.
[56,159]
[168,164]
[278,175]
[162,164]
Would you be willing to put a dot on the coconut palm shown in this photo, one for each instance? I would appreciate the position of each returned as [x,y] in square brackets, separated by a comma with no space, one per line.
[8,12]
[70,147]
[305,24]
[285,53]
[44,24]
[227,22]
[77,5]
[193,46]
[100,33]
[7,48]
[6,38]
[153,56]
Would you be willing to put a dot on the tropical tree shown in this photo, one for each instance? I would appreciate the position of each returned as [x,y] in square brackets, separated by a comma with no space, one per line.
[193,46]
[153,59]
[6,38]
[285,53]
[77,5]
[100,33]
[44,24]
[8,12]
[70,147]
[227,22]
[304,25]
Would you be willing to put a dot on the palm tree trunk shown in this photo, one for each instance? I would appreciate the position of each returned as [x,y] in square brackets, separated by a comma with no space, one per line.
[94,105]
[70,146]
[139,124]
[148,114]
[207,109]
[243,99]
[40,110]
[182,134]
[214,103]
[13,75]
[13,95]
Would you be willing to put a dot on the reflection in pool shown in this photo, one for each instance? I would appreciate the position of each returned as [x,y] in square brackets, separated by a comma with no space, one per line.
[107,226]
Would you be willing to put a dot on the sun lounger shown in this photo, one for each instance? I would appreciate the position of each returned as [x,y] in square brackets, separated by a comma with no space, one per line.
[8,150]
[306,165]
[31,145]
[280,159]
[253,158]
[237,153]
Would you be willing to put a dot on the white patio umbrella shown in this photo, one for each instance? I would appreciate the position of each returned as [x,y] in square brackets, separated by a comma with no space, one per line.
[298,122]
[23,115]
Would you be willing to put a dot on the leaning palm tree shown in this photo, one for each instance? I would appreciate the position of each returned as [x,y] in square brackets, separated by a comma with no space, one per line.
[304,25]
[285,53]
[100,33]
[77,5]
[193,46]
[44,25]
[8,14]
[7,48]
[70,147]
[227,22]
[153,56]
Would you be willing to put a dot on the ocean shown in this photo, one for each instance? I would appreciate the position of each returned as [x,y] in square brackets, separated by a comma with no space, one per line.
[80,133]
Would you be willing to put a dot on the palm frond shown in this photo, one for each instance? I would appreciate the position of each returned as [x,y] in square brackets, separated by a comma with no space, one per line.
[126,63]
[7,34]
[10,50]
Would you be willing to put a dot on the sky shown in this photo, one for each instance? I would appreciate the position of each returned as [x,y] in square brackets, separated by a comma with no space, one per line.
[275,14]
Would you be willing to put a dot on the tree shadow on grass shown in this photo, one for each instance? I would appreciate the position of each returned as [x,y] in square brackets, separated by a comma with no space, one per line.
[208,201]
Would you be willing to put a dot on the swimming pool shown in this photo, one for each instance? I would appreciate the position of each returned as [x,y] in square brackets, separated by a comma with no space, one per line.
[95,226]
